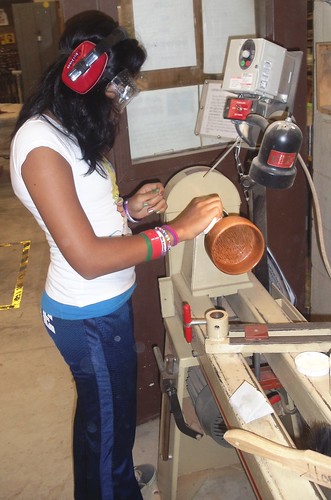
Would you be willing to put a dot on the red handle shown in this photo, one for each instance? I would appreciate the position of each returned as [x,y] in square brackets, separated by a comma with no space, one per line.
[187,318]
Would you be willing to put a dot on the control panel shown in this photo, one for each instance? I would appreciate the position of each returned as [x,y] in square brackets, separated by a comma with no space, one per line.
[254,67]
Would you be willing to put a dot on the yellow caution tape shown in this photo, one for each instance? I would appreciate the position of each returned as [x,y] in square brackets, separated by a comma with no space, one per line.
[18,290]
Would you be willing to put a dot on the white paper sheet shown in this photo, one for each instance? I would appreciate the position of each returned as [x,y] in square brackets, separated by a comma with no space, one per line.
[222,20]
[162,121]
[166,29]
[210,121]
[249,403]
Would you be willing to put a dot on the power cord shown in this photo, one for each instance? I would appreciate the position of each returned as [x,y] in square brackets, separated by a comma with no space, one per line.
[319,227]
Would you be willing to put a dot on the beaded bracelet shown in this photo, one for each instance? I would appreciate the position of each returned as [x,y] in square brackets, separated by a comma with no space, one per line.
[173,234]
[127,213]
[166,236]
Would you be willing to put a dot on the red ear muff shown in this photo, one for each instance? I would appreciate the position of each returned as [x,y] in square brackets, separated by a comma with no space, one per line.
[86,64]
[78,73]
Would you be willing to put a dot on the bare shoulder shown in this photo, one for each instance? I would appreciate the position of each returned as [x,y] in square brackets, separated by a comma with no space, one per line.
[48,177]
[49,180]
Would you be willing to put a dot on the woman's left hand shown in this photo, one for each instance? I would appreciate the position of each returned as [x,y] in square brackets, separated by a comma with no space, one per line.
[147,200]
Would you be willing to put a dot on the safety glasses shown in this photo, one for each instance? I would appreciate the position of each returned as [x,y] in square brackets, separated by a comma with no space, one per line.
[125,88]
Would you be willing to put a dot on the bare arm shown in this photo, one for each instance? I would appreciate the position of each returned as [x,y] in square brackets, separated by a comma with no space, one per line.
[49,180]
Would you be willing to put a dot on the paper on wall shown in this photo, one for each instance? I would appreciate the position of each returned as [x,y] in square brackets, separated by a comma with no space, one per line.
[222,20]
[166,29]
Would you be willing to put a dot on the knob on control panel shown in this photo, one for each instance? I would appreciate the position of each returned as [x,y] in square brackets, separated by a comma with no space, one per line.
[247,54]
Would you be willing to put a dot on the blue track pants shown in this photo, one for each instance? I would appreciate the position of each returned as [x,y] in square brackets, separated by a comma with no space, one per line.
[102,357]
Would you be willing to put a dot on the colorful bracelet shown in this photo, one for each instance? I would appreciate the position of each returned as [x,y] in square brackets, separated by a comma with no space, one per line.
[162,240]
[166,237]
[156,243]
[173,234]
[149,246]
[127,213]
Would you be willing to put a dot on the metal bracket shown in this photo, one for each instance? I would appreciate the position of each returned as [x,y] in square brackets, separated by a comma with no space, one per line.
[168,370]
[273,338]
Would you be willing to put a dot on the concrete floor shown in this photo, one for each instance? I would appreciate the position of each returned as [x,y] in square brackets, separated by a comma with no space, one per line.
[37,394]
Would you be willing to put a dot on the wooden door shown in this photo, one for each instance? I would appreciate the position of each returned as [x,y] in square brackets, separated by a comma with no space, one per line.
[285,24]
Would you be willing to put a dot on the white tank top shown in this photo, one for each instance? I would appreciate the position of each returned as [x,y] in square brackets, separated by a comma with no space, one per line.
[97,196]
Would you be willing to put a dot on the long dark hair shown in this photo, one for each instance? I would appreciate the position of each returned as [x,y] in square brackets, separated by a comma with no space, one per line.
[92,118]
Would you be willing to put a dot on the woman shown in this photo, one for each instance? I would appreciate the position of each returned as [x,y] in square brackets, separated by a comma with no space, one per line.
[60,173]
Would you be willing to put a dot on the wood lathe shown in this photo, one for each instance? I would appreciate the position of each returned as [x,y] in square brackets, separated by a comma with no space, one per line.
[256,321]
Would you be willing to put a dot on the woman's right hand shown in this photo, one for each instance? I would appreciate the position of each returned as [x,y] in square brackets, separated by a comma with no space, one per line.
[197,216]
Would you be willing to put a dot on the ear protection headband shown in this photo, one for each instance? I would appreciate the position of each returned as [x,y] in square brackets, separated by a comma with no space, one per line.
[86,64]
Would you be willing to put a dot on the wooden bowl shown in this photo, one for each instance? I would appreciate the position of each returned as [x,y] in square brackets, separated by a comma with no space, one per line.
[234,244]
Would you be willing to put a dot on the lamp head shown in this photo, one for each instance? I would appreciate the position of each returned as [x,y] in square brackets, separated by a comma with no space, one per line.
[274,166]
